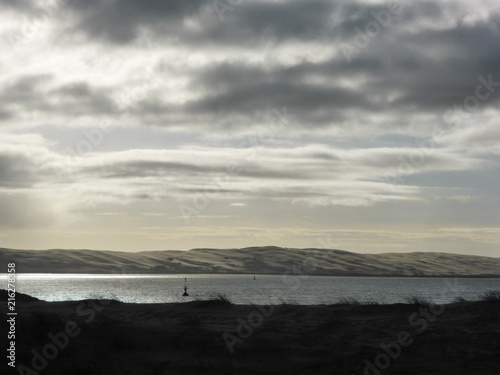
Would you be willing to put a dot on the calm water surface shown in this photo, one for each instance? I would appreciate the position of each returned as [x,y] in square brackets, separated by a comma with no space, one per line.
[243,289]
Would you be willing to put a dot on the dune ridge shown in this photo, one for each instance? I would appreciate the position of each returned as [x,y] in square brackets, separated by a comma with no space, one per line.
[252,260]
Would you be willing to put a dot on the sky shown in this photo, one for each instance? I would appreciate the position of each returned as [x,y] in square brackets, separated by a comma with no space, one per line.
[367,126]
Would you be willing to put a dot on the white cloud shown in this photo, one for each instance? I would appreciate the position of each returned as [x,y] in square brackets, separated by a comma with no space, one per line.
[236,204]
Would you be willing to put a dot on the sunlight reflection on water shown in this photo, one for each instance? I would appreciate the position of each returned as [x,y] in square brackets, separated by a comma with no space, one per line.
[242,289]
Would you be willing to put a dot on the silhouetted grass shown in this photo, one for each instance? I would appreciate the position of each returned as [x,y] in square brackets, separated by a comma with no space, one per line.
[324,302]
[459,299]
[103,297]
[417,300]
[216,299]
[491,296]
[221,298]
[348,301]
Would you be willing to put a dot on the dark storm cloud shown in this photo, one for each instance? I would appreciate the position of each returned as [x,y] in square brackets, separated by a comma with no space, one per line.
[420,62]
[25,89]
[118,21]
[427,76]
[40,93]
[23,94]
[260,21]
[279,94]
[245,23]
[80,98]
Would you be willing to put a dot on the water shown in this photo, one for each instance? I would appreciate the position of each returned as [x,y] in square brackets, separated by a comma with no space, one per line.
[242,289]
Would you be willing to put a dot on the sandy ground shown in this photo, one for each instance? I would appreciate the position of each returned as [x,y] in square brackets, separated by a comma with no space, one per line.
[214,337]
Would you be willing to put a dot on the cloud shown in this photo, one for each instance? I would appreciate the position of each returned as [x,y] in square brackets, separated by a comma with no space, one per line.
[411,68]
[17,4]
[24,161]
[314,175]
[31,96]
[479,136]
[119,21]
[476,234]
[192,95]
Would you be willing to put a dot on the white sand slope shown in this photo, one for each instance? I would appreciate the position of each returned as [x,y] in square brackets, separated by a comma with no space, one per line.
[252,260]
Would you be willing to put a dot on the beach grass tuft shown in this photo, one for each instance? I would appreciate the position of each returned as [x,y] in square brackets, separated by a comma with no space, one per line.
[417,300]
[110,296]
[216,299]
[348,301]
[491,296]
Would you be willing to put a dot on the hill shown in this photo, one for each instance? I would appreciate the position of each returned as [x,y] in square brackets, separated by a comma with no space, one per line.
[252,260]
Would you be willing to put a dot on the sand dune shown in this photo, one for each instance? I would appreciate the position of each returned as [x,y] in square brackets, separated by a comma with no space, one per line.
[252,260]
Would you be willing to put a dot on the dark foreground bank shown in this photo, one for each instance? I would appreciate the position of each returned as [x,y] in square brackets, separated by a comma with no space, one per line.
[216,337]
